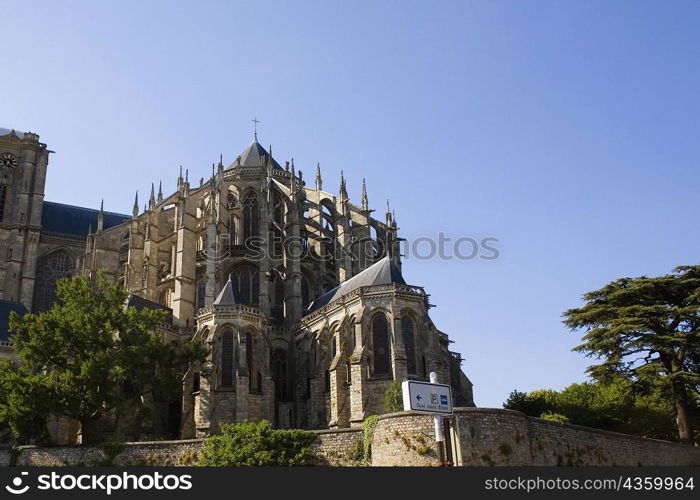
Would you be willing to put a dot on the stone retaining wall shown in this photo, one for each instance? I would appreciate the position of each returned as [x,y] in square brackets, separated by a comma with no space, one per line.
[482,436]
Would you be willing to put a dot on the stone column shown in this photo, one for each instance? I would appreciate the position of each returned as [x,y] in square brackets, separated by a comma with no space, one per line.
[242,379]
[292,254]
[185,255]
[398,353]
[358,387]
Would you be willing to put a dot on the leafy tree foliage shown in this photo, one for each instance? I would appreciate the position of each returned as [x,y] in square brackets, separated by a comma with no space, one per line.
[393,400]
[647,330]
[86,357]
[617,404]
[258,444]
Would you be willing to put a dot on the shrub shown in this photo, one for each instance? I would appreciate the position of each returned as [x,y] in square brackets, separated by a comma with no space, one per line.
[393,399]
[368,427]
[258,444]
[554,417]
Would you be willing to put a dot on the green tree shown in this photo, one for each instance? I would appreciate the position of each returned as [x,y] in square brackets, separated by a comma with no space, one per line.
[393,398]
[647,329]
[86,357]
[617,404]
[258,444]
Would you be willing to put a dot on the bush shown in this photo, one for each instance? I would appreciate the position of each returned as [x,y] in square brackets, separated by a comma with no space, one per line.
[258,444]
[554,417]
[393,399]
[368,427]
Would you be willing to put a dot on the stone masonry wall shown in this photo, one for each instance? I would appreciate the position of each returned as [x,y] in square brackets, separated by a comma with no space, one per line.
[5,456]
[336,447]
[483,437]
[504,437]
[333,447]
[404,439]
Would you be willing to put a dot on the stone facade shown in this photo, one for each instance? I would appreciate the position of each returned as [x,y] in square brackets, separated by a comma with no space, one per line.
[481,437]
[296,291]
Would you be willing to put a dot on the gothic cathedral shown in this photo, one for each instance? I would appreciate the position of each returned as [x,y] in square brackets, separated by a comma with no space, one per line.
[296,291]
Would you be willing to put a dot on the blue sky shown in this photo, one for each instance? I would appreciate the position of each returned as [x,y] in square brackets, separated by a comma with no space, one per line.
[567,130]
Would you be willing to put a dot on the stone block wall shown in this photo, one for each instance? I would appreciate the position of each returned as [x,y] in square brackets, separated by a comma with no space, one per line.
[482,437]
[486,436]
[337,447]
[404,439]
[176,453]
[5,456]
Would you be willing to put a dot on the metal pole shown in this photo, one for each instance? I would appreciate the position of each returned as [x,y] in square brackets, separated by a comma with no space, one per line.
[439,432]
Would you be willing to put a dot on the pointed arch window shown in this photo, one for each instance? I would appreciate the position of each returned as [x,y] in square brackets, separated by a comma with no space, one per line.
[227,351]
[278,303]
[380,345]
[408,334]
[50,269]
[246,285]
[251,217]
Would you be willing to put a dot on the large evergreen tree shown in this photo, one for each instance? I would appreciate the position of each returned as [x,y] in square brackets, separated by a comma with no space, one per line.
[647,330]
[86,357]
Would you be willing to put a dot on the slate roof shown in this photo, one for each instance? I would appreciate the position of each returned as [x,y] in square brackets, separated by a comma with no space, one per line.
[140,303]
[252,156]
[381,272]
[227,296]
[5,307]
[76,221]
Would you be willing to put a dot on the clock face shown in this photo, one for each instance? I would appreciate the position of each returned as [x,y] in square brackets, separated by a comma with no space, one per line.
[7,160]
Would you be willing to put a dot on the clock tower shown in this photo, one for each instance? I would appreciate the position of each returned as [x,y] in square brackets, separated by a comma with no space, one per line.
[23,163]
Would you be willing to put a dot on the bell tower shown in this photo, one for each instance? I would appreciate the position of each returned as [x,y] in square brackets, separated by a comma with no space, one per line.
[23,164]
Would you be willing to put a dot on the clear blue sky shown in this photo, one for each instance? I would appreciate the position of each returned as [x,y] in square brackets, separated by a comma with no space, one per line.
[568,130]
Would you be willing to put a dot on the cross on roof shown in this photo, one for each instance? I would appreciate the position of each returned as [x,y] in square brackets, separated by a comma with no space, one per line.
[255,122]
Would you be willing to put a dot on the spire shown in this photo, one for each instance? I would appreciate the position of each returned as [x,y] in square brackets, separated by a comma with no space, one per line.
[101,216]
[152,198]
[187,175]
[160,191]
[319,181]
[365,203]
[389,218]
[343,187]
[293,185]
[135,211]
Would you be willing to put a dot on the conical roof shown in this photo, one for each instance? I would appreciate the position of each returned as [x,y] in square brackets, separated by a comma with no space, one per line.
[253,157]
[227,296]
[381,272]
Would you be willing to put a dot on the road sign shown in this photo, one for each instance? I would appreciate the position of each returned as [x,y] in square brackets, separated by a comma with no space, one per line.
[427,397]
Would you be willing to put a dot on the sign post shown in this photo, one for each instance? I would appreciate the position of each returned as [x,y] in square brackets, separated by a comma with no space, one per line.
[431,398]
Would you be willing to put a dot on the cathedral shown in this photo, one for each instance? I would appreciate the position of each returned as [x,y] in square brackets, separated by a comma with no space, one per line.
[297,292]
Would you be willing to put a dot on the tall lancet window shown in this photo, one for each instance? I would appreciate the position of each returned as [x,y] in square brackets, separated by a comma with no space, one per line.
[380,344]
[246,285]
[49,270]
[251,217]
[409,343]
[227,352]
